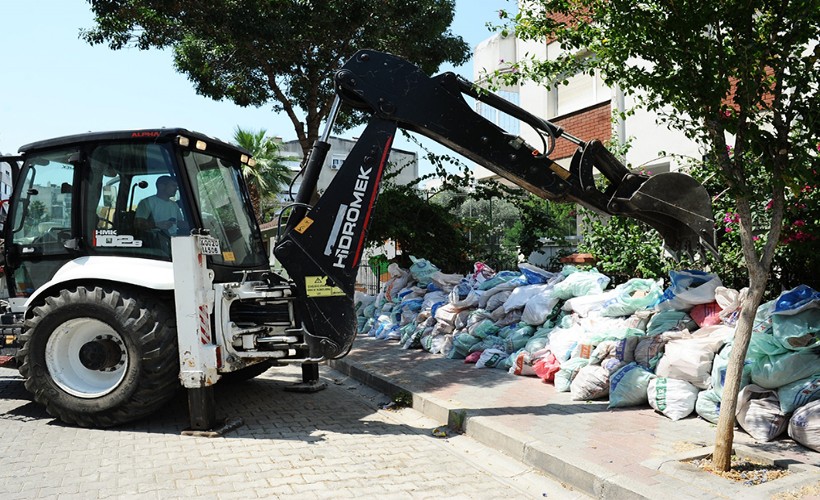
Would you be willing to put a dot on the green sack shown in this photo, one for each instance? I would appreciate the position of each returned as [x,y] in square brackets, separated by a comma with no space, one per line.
[627,386]
[798,393]
[569,369]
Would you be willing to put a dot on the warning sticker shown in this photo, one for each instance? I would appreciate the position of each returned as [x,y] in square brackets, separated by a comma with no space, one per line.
[303,225]
[321,286]
[228,256]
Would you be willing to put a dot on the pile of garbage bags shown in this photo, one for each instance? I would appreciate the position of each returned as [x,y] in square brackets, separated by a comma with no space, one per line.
[635,344]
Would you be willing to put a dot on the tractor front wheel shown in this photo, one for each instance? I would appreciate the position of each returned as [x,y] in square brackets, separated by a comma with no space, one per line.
[100,357]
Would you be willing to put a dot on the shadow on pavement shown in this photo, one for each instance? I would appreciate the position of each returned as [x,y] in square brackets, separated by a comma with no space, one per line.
[267,410]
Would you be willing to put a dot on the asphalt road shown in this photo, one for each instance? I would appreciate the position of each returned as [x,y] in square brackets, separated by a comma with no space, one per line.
[338,443]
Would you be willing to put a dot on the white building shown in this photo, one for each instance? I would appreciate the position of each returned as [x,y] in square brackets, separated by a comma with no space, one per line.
[584,108]
[406,161]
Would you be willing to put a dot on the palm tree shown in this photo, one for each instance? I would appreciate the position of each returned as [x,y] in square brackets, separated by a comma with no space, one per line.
[269,175]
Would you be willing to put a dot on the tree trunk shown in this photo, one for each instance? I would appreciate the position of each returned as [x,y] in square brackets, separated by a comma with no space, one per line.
[722,455]
[256,201]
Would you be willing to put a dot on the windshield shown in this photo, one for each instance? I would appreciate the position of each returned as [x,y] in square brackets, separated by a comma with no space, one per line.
[43,206]
[217,187]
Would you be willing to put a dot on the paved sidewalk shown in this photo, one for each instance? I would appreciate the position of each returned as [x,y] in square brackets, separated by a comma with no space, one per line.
[621,453]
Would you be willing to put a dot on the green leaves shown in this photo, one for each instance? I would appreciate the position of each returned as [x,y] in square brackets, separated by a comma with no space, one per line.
[464,221]
[420,228]
[623,247]
[280,52]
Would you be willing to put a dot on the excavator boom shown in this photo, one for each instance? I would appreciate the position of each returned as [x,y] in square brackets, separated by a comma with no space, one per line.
[386,86]
[322,245]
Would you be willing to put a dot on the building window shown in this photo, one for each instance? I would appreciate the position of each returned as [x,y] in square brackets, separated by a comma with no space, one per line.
[503,120]
[336,161]
[581,91]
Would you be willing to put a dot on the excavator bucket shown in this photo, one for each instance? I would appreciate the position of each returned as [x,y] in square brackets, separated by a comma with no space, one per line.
[673,203]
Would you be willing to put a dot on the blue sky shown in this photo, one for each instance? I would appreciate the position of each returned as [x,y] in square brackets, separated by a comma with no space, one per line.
[54,84]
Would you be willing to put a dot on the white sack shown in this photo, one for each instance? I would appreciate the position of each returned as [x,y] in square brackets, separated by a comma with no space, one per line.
[518,297]
[591,382]
[585,304]
[674,398]
[690,359]
[445,281]
[538,308]
[490,358]
[758,412]
[804,426]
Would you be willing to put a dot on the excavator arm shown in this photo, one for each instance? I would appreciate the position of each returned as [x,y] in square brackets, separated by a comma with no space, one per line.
[322,245]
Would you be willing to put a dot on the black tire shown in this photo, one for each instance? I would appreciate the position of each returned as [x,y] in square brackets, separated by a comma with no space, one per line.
[246,373]
[137,336]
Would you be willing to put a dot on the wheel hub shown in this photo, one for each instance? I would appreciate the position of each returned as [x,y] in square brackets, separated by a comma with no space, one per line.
[86,357]
[102,354]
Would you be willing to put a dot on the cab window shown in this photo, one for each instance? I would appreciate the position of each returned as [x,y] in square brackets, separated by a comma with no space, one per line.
[123,177]
[42,214]
[42,218]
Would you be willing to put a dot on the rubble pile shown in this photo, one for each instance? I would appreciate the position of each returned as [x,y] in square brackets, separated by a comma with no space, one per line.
[634,344]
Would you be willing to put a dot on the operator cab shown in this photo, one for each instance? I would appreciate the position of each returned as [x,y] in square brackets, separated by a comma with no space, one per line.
[79,196]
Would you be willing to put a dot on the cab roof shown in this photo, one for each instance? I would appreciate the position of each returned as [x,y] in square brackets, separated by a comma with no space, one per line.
[146,135]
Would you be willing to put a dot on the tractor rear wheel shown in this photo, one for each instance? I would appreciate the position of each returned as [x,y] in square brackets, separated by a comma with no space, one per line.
[100,357]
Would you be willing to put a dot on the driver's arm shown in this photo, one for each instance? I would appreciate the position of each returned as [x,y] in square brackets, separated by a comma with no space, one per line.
[142,217]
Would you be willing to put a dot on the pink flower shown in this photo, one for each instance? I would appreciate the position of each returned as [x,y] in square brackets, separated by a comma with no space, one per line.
[728,229]
[769,205]
[799,223]
[755,238]
[731,217]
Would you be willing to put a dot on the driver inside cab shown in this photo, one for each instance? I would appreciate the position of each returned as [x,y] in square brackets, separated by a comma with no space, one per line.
[159,211]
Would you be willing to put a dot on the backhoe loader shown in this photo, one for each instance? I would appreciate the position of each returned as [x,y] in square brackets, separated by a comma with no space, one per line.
[109,315]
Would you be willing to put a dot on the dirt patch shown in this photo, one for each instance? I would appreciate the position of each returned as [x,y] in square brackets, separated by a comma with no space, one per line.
[746,471]
[812,491]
